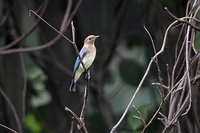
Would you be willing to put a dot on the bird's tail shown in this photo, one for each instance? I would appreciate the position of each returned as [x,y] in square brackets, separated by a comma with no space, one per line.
[72,86]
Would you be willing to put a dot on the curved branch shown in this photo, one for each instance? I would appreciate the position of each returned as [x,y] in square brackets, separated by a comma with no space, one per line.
[80,123]
[12,109]
[8,128]
[64,25]
[144,77]
[30,30]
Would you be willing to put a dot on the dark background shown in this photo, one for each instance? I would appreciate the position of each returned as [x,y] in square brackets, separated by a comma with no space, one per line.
[36,63]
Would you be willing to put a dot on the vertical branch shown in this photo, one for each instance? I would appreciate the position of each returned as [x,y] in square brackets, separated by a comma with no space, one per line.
[75,47]
[85,97]
[81,124]
[24,87]
[87,76]
[72,127]
[73,32]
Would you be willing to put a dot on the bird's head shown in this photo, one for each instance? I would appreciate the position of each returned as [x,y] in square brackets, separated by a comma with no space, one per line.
[90,39]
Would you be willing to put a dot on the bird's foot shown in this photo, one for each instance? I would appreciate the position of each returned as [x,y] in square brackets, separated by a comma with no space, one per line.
[87,75]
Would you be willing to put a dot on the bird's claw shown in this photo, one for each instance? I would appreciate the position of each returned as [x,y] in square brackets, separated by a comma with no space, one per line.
[87,76]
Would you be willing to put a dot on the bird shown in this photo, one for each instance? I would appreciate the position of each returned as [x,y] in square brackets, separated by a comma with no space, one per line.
[87,54]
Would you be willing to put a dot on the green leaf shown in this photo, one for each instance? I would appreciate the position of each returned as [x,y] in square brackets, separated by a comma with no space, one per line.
[32,123]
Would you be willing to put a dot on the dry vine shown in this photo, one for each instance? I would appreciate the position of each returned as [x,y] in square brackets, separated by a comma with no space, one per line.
[180,85]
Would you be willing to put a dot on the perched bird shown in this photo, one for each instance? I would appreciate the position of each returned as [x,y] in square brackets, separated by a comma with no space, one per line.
[87,54]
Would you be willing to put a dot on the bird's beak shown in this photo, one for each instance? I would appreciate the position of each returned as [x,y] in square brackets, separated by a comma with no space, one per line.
[97,36]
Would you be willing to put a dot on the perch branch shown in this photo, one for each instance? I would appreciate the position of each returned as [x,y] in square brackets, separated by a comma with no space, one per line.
[81,124]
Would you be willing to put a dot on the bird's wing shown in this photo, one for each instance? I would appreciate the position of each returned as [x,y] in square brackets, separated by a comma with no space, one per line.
[78,61]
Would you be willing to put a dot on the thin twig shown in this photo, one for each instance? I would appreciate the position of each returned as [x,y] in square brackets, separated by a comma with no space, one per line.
[161,104]
[31,11]
[50,43]
[24,86]
[75,47]
[5,17]
[29,31]
[156,59]
[81,124]
[184,21]
[66,18]
[8,128]
[85,97]
[12,109]
[140,116]
[178,101]
[161,85]
[152,118]
[154,48]
[72,127]
[144,77]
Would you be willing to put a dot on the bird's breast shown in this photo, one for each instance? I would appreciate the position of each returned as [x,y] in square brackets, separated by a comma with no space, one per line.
[88,59]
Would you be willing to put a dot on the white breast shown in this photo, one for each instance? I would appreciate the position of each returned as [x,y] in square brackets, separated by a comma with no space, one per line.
[89,57]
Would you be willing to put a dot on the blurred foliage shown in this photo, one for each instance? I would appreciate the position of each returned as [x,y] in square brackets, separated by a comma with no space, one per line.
[133,77]
[197,44]
[32,123]
[197,39]
[38,78]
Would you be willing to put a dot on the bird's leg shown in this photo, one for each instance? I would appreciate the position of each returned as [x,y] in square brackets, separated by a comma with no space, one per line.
[87,75]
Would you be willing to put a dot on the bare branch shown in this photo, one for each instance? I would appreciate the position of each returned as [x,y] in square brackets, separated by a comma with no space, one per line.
[72,127]
[75,47]
[12,109]
[8,128]
[81,124]
[140,117]
[29,31]
[184,21]
[31,11]
[64,25]
[144,77]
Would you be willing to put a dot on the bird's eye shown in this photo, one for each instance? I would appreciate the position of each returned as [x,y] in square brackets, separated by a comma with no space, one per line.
[90,39]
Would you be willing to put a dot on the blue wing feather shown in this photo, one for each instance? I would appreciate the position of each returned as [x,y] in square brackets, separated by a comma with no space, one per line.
[78,61]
